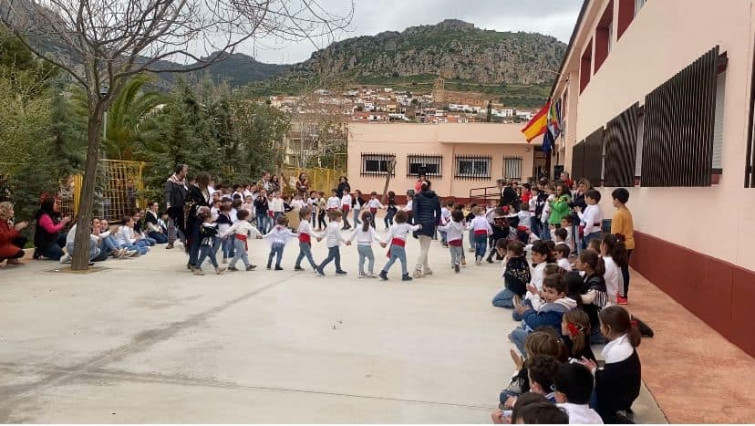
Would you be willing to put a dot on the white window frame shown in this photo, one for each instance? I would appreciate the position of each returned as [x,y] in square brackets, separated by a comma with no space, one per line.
[475,161]
[422,161]
[380,159]
[515,163]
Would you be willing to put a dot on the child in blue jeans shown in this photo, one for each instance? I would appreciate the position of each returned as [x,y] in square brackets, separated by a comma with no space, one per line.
[208,233]
[278,237]
[397,239]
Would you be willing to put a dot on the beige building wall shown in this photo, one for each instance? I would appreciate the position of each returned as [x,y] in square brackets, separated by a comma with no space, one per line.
[446,140]
[664,38]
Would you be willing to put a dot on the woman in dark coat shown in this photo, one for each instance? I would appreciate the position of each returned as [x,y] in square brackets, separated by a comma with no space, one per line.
[343,184]
[425,212]
[198,196]
[509,197]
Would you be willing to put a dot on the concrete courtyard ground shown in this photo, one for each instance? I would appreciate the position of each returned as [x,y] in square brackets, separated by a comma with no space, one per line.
[145,341]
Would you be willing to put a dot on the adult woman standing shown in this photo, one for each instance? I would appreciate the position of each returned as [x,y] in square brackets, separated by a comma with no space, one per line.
[509,197]
[426,212]
[343,185]
[198,196]
[622,224]
[48,239]
[11,242]
[302,184]
[175,198]
[560,205]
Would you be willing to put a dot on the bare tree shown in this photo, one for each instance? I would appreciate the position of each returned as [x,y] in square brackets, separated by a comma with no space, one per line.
[101,43]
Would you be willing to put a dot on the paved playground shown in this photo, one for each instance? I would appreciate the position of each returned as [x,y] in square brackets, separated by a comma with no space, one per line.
[146,341]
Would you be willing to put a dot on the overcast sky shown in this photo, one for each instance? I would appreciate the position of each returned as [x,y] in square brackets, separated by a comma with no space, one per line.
[552,17]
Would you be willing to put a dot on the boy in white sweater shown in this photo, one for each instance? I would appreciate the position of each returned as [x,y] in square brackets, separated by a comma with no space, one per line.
[276,206]
[482,229]
[333,240]
[278,237]
[306,233]
[397,239]
[454,231]
[242,231]
[345,206]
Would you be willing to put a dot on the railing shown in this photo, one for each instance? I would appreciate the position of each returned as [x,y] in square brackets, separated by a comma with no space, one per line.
[484,195]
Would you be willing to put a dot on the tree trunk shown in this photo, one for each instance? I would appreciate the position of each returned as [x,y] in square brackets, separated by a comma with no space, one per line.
[86,200]
[390,169]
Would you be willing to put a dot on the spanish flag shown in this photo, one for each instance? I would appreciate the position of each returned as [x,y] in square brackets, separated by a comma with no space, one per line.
[538,125]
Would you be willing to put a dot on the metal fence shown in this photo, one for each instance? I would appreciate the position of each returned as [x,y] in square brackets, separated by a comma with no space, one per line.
[320,179]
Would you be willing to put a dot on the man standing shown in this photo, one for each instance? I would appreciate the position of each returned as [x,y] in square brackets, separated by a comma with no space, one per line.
[175,196]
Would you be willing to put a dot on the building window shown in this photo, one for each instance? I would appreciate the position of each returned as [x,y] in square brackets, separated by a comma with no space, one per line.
[638,155]
[679,127]
[512,168]
[378,164]
[603,36]
[473,167]
[718,127]
[585,68]
[620,148]
[431,165]
[626,15]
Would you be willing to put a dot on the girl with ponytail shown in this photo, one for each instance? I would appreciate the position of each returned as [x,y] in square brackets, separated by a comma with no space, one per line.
[614,255]
[594,296]
[575,327]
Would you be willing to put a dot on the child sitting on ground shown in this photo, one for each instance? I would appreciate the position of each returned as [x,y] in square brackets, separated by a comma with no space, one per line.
[397,239]
[279,237]
[453,232]
[594,296]
[501,231]
[539,342]
[541,256]
[562,253]
[542,371]
[516,274]
[575,329]
[617,384]
[574,385]
[548,309]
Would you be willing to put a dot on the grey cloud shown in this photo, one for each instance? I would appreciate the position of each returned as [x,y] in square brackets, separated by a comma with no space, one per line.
[552,17]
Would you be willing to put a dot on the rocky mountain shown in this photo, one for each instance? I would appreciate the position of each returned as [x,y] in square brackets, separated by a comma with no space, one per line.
[502,64]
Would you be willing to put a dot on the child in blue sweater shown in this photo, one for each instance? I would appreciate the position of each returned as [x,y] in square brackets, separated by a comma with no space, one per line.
[548,309]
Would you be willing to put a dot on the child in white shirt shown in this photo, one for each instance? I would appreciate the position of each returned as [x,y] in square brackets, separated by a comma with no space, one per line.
[333,241]
[454,231]
[567,225]
[562,252]
[276,206]
[242,230]
[591,218]
[482,230]
[345,206]
[374,205]
[278,236]
[397,239]
[334,202]
[365,236]
[306,233]
[297,203]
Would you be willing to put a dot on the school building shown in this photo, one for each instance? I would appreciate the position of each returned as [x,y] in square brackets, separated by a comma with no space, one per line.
[458,158]
[657,96]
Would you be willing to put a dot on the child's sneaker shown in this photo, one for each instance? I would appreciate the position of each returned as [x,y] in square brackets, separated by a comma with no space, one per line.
[341,272]
[621,300]
[233,269]
[383,275]
[418,273]
[371,275]
[278,268]
[478,261]
[361,275]
[198,271]
[428,271]
[456,268]
[268,267]
[251,267]
[319,272]
[406,277]
[298,268]
[490,260]
[219,270]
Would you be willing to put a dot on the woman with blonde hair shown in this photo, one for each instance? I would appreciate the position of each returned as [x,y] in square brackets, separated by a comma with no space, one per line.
[11,242]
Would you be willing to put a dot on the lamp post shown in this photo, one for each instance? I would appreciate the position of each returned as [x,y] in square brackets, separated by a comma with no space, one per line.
[103,93]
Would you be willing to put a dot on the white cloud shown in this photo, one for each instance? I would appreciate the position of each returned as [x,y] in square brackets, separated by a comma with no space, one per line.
[552,17]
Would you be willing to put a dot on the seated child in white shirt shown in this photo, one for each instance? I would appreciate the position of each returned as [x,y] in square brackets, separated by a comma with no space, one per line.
[574,385]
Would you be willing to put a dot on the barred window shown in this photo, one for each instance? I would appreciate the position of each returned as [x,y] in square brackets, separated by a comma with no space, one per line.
[378,164]
[431,165]
[473,167]
[512,168]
